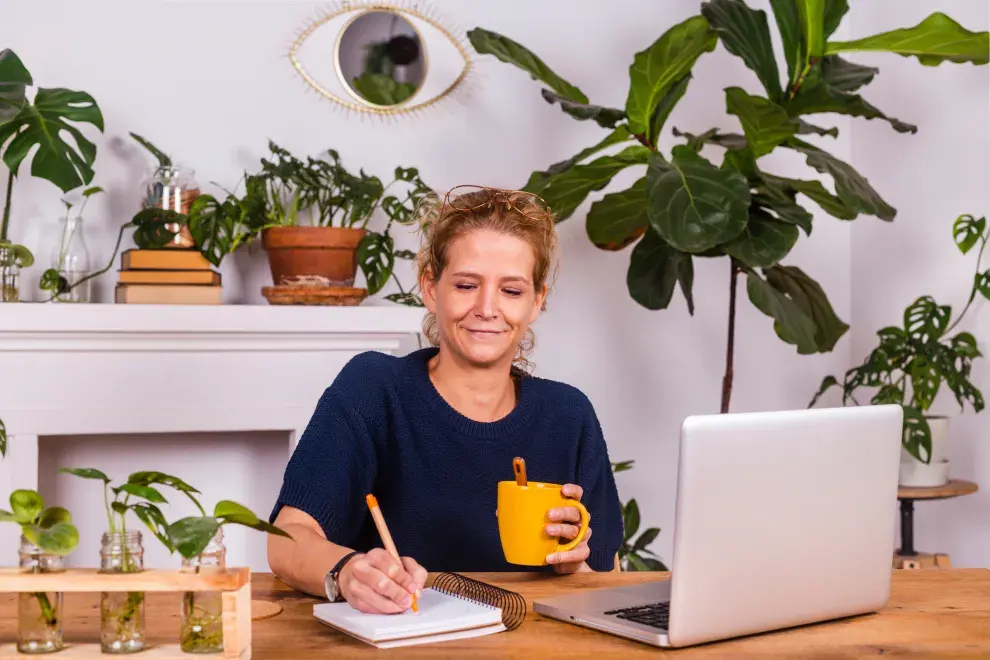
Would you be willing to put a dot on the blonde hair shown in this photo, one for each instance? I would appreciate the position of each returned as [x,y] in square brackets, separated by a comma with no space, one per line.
[511,212]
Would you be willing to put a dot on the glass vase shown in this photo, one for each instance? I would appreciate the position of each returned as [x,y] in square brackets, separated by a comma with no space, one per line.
[39,615]
[122,627]
[201,625]
[10,276]
[173,188]
[71,260]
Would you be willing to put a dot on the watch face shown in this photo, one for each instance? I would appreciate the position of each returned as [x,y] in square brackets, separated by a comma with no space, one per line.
[330,585]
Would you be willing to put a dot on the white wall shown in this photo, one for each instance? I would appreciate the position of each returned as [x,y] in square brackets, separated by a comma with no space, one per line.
[930,178]
[235,88]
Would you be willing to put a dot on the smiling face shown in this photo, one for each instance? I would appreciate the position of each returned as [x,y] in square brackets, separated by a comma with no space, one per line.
[485,299]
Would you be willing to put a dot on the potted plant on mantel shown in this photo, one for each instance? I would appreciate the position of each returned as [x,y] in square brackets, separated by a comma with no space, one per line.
[911,364]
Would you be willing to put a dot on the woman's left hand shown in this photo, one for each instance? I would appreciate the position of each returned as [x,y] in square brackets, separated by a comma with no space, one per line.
[565,523]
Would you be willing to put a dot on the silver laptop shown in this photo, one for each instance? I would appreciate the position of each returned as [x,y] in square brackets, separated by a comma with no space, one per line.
[782,519]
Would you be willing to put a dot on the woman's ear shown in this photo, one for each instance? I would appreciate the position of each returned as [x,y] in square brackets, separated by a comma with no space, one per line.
[429,289]
[539,304]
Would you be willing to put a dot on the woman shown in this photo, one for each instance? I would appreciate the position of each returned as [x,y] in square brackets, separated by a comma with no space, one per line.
[431,434]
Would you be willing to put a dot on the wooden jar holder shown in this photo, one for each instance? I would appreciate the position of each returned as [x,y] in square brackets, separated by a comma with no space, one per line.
[235,584]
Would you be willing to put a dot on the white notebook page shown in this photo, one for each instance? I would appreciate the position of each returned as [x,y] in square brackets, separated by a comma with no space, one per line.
[438,613]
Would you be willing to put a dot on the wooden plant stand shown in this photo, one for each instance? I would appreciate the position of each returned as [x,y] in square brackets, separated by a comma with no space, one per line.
[235,584]
[907,556]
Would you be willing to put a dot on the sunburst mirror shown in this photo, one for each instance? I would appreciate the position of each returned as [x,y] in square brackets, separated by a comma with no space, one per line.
[382,59]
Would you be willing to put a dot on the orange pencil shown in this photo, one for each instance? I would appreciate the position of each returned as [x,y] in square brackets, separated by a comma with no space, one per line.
[376,514]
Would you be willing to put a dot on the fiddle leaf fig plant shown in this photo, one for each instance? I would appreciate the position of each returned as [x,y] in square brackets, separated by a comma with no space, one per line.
[911,363]
[689,203]
[47,129]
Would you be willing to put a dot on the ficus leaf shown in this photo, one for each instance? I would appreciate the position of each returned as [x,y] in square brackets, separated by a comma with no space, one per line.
[811,299]
[765,123]
[852,187]
[26,505]
[811,13]
[816,96]
[844,76]
[746,34]
[804,128]
[507,50]
[660,66]
[604,117]
[694,205]
[934,40]
[566,191]
[815,191]
[41,128]
[666,105]
[540,179]
[967,231]
[630,519]
[764,241]
[791,323]
[14,79]
[785,14]
[646,538]
[786,208]
[654,269]
[618,219]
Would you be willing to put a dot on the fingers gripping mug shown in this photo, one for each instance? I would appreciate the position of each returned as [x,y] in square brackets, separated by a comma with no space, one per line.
[522,520]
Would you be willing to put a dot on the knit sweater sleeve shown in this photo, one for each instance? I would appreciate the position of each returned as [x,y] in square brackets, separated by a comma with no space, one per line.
[600,495]
[334,464]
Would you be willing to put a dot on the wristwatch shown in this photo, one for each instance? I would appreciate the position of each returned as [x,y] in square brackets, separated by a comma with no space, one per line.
[330,581]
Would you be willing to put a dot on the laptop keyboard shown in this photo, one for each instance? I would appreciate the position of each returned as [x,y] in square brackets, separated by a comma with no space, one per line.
[653,614]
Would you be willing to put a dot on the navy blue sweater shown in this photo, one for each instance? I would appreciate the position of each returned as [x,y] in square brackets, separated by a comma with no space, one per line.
[382,427]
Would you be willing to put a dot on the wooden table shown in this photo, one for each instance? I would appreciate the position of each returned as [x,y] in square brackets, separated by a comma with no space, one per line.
[907,556]
[932,614]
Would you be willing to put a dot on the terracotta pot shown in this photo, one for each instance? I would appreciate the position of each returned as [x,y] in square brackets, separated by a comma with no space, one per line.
[298,252]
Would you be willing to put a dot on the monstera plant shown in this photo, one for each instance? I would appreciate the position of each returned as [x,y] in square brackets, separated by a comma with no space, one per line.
[48,128]
[687,206]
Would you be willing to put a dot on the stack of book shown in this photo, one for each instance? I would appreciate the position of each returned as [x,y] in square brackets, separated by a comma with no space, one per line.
[166,276]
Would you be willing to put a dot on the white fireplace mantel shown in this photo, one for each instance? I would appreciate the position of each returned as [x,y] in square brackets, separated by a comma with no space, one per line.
[104,369]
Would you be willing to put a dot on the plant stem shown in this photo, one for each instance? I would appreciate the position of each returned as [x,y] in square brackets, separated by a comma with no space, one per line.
[731,341]
[6,206]
[972,293]
[120,236]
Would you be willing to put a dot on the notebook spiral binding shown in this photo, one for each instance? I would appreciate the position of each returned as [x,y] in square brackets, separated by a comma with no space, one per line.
[513,605]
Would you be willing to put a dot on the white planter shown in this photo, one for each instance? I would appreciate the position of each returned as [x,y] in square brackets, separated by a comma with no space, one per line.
[916,474]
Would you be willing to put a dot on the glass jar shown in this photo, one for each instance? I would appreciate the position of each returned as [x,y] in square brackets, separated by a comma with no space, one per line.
[39,615]
[122,612]
[71,260]
[10,276]
[173,188]
[201,625]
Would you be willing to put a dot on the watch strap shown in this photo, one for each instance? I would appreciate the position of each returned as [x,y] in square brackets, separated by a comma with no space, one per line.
[335,572]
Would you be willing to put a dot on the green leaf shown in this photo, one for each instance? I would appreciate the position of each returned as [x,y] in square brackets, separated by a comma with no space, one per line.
[630,519]
[146,478]
[844,76]
[925,381]
[964,344]
[654,564]
[934,40]
[144,492]
[566,191]
[17,255]
[742,161]
[816,95]
[42,127]
[232,512]
[746,34]
[54,515]
[764,241]
[786,15]
[852,188]
[486,42]
[622,466]
[785,206]
[666,105]
[765,123]
[618,219]
[216,227]
[604,117]
[375,256]
[982,283]
[808,295]
[120,507]
[156,227]
[14,79]
[407,299]
[540,179]
[155,521]
[654,269]
[804,128]
[160,156]
[646,538]
[191,535]
[925,320]
[834,11]
[811,14]
[61,538]
[636,562]
[814,190]
[827,383]
[917,434]
[3,439]
[967,231]
[659,67]
[694,205]
[7,516]
[26,505]
[791,323]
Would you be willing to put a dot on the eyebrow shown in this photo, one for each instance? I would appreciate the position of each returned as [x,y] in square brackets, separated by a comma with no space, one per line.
[510,278]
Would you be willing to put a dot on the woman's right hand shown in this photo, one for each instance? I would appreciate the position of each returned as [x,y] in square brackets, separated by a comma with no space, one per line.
[375,583]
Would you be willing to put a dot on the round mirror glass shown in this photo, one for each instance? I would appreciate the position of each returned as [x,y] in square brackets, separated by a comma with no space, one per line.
[381,58]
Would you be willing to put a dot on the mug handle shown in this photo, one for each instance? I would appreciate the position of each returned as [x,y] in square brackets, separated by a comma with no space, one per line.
[582,529]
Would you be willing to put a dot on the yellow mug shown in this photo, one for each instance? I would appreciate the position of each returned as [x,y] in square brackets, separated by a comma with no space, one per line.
[522,520]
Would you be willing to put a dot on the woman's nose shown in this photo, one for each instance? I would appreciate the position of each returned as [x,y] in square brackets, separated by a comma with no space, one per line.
[486,305]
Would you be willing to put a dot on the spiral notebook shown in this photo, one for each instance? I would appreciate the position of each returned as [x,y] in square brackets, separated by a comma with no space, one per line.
[454,607]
